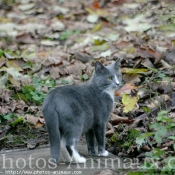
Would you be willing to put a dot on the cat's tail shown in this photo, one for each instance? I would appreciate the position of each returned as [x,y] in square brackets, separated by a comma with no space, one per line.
[52,123]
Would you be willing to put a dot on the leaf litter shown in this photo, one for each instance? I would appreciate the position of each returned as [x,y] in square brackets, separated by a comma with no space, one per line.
[44,44]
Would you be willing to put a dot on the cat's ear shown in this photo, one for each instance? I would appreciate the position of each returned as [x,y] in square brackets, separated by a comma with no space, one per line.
[99,67]
[117,64]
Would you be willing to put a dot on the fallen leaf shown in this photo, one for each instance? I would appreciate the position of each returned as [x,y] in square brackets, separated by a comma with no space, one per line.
[83,57]
[32,143]
[157,101]
[132,78]
[34,120]
[25,38]
[147,63]
[49,43]
[129,102]
[26,6]
[76,68]
[57,26]
[3,80]
[92,18]
[2,61]
[17,64]
[96,28]
[133,71]
[106,53]
[137,24]
[169,56]
[125,89]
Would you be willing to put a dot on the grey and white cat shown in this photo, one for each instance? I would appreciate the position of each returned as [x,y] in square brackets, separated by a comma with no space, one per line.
[71,110]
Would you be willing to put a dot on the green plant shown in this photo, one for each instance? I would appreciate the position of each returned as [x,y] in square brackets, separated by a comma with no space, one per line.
[6,117]
[126,141]
[12,118]
[34,93]
[160,128]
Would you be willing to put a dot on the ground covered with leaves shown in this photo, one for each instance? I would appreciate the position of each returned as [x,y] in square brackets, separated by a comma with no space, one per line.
[45,44]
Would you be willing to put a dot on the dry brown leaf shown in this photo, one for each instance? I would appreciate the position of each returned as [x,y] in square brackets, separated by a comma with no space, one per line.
[4,110]
[131,78]
[125,89]
[25,38]
[169,56]
[83,57]
[34,120]
[158,101]
[76,68]
[147,63]
[16,63]
[147,52]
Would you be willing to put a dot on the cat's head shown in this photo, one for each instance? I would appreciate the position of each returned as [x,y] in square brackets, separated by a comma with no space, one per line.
[108,77]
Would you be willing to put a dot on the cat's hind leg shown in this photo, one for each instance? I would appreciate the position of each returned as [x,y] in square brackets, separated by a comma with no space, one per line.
[54,137]
[64,152]
[71,148]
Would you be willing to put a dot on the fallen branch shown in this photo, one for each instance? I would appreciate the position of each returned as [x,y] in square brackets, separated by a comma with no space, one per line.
[115,119]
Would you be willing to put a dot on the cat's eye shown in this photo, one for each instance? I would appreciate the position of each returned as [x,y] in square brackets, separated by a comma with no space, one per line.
[109,78]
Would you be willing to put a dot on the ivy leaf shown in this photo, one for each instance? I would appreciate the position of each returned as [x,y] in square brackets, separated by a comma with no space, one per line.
[161,132]
[141,140]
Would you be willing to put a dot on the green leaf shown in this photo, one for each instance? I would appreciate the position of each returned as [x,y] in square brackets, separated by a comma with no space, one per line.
[162,131]
[18,120]
[63,81]
[168,27]
[8,116]
[141,140]
[1,52]
[172,137]
[85,77]
[158,138]
[149,154]
[146,109]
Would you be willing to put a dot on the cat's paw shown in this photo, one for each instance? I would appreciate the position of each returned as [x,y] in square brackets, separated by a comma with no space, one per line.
[54,160]
[104,154]
[81,160]
[92,153]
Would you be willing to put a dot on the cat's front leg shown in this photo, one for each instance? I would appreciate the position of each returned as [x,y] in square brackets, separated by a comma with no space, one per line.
[90,139]
[100,130]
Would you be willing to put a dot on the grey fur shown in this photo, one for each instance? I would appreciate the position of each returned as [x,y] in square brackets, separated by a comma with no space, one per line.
[72,110]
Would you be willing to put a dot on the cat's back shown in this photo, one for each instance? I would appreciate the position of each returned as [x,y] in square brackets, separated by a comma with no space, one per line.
[67,95]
